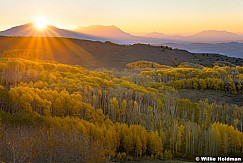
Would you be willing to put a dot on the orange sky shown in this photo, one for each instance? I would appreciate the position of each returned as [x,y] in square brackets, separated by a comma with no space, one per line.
[166,16]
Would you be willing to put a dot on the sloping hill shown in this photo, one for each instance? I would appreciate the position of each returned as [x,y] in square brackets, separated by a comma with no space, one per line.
[98,54]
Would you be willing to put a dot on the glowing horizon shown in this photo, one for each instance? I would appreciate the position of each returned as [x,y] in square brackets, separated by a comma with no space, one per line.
[40,23]
[137,16]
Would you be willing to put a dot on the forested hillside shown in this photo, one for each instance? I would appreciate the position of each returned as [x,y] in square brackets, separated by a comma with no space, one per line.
[49,108]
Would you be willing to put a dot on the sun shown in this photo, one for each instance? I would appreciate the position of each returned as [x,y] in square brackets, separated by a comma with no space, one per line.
[40,23]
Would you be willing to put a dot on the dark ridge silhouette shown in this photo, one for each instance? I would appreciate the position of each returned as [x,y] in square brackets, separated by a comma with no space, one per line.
[95,54]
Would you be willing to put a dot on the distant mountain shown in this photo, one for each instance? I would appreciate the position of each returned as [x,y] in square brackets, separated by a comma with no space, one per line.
[233,49]
[95,33]
[115,34]
[208,36]
[49,31]
[164,36]
[214,36]
[111,32]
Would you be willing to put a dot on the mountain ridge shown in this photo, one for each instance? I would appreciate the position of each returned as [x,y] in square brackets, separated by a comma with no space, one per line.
[50,31]
[205,36]
[101,30]
[30,30]
[96,54]
[215,36]
[116,35]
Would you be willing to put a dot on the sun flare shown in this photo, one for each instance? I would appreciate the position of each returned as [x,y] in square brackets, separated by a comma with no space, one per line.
[40,23]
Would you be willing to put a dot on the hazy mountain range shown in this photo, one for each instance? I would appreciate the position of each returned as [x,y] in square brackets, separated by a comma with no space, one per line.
[95,33]
[204,42]
[111,32]
[207,36]
[234,49]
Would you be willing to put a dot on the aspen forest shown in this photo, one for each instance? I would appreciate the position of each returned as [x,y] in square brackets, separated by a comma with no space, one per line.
[54,112]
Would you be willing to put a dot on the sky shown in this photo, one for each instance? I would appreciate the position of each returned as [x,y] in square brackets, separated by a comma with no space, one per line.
[134,16]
